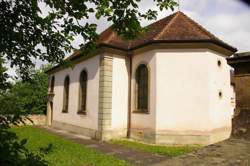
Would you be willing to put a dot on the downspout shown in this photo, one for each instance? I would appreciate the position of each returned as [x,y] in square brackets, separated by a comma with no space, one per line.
[129,95]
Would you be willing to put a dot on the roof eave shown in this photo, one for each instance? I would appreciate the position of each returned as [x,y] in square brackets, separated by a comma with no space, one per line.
[238,59]
[221,44]
[231,49]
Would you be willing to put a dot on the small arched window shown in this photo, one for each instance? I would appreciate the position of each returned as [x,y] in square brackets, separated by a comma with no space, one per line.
[83,92]
[52,84]
[66,95]
[142,88]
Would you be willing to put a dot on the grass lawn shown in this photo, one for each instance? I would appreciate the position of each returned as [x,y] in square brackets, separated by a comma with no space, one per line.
[64,152]
[170,151]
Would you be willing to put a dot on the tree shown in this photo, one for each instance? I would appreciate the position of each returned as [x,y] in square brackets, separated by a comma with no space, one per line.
[26,96]
[19,100]
[27,33]
[4,84]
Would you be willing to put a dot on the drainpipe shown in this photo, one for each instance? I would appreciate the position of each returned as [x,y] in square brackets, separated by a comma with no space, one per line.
[129,95]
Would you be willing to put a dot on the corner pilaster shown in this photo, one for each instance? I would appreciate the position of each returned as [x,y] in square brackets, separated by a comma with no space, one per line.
[105,96]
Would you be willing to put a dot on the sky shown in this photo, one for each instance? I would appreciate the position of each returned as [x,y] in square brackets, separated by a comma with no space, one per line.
[226,19]
[229,20]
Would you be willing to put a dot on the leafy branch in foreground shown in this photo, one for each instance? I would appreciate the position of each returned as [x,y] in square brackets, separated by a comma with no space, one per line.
[13,151]
[29,31]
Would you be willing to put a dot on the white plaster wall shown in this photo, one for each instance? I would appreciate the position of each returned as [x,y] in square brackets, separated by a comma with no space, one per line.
[141,120]
[119,93]
[220,108]
[182,90]
[90,120]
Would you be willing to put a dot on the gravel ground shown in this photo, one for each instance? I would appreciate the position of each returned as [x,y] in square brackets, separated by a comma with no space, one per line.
[232,152]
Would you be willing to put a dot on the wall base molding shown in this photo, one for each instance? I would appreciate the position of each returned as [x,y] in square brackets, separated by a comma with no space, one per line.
[180,138]
[94,134]
[151,136]
[75,129]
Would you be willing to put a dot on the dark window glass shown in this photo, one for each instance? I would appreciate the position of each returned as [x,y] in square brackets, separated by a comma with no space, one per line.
[142,88]
[66,94]
[83,91]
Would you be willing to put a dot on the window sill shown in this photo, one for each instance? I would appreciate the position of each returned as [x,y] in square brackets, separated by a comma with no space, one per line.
[64,111]
[141,111]
[82,112]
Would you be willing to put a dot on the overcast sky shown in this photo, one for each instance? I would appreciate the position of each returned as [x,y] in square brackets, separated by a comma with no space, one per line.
[227,19]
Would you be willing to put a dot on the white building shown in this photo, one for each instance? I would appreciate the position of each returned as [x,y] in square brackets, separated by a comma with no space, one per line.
[169,86]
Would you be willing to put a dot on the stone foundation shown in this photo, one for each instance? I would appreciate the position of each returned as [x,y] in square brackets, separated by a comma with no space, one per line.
[35,120]
[180,138]
[170,139]
[75,129]
[113,134]
[220,135]
[94,134]
[151,136]
[144,135]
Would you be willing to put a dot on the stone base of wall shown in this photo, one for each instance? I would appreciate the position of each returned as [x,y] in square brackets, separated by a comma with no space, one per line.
[144,135]
[220,135]
[151,136]
[170,139]
[94,134]
[180,138]
[114,134]
[75,129]
[35,120]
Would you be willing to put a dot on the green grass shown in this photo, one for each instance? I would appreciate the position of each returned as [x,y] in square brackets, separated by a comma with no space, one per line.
[64,152]
[170,151]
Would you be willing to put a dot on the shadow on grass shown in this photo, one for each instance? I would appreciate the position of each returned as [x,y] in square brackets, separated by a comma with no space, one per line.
[46,150]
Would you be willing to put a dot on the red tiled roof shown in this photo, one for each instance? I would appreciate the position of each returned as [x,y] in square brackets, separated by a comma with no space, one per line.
[174,28]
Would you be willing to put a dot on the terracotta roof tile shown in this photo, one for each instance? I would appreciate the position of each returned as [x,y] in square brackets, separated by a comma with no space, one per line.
[176,27]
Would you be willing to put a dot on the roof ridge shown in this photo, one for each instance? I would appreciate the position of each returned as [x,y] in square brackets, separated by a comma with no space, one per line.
[166,27]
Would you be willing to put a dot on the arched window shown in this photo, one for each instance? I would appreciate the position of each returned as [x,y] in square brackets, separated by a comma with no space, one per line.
[83,92]
[66,95]
[52,84]
[142,88]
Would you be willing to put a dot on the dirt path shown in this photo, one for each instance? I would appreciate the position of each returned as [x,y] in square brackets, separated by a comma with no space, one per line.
[232,152]
[135,157]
